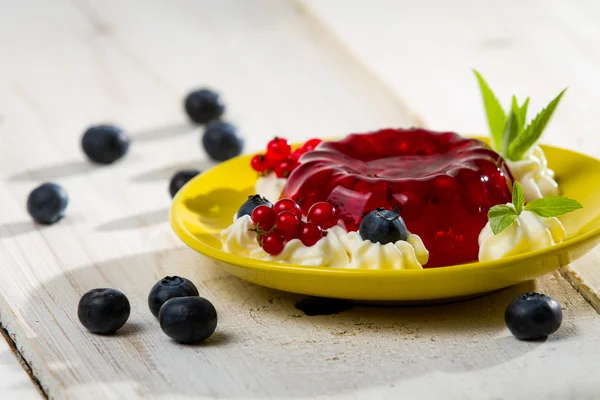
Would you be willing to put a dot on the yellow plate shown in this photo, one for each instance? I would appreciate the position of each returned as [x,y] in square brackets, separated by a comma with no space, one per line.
[206,205]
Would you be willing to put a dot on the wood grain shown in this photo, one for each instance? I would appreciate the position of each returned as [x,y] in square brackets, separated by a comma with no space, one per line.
[281,73]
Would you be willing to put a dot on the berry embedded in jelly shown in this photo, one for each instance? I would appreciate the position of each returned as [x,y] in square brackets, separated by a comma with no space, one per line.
[442,183]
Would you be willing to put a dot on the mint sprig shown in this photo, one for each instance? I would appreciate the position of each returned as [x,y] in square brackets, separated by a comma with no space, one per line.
[531,134]
[504,215]
[493,109]
[511,136]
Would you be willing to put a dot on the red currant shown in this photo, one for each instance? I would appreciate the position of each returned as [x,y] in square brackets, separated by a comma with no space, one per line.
[288,205]
[296,155]
[272,243]
[259,163]
[310,233]
[284,168]
[287,224]
[278,149]
[310,145]
[323,214]
[264,218]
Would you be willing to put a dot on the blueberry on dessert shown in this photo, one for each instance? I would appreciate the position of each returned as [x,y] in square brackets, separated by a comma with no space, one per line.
[533,316]
[250,204]
[222,141]
[180,179]
[203,106]
[105,144]
[47,203]
[188,319]
[383,226]
[168,288]
[103,311]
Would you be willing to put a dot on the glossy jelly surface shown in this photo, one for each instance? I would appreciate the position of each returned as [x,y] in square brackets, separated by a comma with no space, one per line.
[442,183]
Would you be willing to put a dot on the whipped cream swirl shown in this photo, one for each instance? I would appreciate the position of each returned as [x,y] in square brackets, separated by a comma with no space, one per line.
[339,249]
[534,175]
[529,232]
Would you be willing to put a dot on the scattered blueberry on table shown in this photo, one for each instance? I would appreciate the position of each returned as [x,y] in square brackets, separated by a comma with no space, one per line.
[383,226]
[105,144]
[250,204]
[533,316]
[188,320]
[203,106]
[103,311]
[168,288]
[47,203]
[222,141]
[181,178]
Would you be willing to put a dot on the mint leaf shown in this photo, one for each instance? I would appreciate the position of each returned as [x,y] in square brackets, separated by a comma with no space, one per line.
[552,206]
[511,130]
[522,114]
[533,131]
[501,217]
[518,197]
[496,116]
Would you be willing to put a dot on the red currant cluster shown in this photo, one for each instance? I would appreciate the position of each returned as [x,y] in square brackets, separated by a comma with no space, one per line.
[283,222]
[279,157]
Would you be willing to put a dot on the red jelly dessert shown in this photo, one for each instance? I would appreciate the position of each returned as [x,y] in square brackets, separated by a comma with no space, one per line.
[442,183]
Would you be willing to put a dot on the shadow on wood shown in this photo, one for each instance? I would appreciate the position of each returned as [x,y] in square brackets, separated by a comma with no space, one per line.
[166,173]
[262,340]
[165,132]
[137,221]
[63,170]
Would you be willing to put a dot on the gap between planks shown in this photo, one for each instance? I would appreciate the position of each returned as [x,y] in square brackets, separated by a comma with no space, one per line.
[22,361]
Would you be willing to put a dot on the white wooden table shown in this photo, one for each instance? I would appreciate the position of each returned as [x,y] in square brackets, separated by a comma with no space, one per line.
[297,69]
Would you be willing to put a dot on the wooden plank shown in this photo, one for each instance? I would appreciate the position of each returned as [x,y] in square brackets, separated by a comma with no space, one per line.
[80,62]
[537,50]
[425,52]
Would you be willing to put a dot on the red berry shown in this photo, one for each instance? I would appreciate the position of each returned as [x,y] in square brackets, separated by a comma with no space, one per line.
[323,214]
[284,168]
[310,233]
[272,243]
[296,155]
[278,149]
[264,218]
[259,163]
[287,205]
[310,145]
[287,224]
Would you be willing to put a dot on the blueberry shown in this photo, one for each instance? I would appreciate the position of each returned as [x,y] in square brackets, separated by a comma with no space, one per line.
[383,226]
[251,204]
[47,203]
[103,311]
[188,319]
[221,141]
[203,106]
[533,316]
[180,179]
[168,288]
[105,144]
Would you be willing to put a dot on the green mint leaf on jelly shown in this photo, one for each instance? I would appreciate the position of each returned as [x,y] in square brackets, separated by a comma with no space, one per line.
[496,116]
[501,217]
[530,135]
[511,131]
[552,206]
[520,112]
[518,197]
